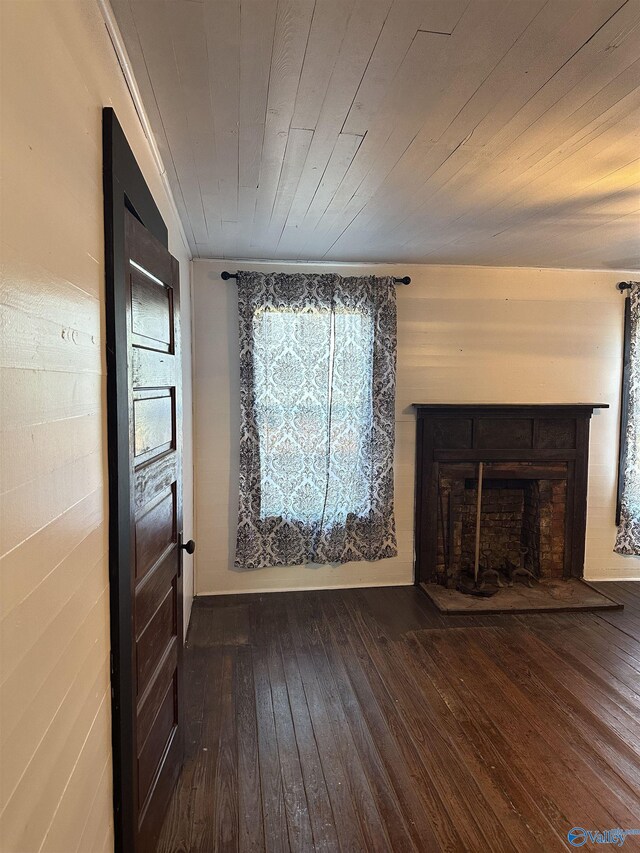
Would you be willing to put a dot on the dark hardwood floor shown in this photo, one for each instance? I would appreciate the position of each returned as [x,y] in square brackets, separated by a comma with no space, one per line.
[363,720]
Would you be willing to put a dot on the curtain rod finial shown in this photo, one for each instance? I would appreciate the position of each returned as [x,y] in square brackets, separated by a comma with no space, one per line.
[225,276]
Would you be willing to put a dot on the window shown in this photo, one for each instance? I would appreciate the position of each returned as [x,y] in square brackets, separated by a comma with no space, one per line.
[313,412]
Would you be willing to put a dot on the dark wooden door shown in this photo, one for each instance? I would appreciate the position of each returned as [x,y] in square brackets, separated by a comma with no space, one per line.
[155,459]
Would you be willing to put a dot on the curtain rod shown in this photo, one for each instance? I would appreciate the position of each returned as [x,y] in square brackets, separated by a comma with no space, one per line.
[625,285]
[227,275]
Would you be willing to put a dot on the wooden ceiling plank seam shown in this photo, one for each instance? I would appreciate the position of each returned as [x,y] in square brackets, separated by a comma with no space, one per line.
[593,254]
[230,237]
[594,217]
[583,116]
[425,52]
[598,113]
[222,33]
[589,144]
[345,150]
[553,255]
[449,229]
[441,68]
[378,130]
[456,231]
[298,143]
[541,52]
[192,63]
[443,16]
[580,119]
[257,33]
[384,130]
[211,197]
[554,50]
[463,231]
[535,256]
[331,218]
[591,37]
[298,217]
[261,225]
[321,55]
[362,219]
[516,50]
[456,141]
[598,140]
[361,36]
[290,40]
[156,45]
[339,231]
[552,214]
[246,211]
[301,203]
[386,10]
[588,86]
[439,227]
[597,58]
[470,166]
[561,171]
[396,37]
[486,35]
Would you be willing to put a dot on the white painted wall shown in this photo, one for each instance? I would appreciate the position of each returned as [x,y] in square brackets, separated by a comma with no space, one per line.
[465,334]
[58,71]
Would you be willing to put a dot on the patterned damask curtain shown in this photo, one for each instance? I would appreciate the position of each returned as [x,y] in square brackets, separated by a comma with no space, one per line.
[628,538]
[317,393]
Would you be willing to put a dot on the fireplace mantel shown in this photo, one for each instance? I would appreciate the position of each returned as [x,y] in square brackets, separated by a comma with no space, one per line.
[499,435]
[508,409]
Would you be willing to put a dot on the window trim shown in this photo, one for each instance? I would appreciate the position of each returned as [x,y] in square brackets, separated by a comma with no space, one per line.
[624,405]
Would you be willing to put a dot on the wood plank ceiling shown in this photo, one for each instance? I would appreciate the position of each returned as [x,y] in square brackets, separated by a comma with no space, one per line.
[440,131]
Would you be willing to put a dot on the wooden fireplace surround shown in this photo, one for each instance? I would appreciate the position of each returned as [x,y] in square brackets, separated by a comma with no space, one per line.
[494,434]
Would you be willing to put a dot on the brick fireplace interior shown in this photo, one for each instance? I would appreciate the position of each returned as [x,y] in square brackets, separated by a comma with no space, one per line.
[522,521]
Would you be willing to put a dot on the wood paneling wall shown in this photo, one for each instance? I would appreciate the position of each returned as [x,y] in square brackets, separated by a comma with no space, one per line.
[465,334]
[58,70]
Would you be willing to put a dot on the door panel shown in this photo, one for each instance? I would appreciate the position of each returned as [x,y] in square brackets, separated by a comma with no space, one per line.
[154,640]
[153,420]
[151,594]
[155,531]
[152,699]
[155,447]
[162,729]
[150,313]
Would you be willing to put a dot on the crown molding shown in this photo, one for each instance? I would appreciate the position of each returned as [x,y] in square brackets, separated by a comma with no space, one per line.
[127,71]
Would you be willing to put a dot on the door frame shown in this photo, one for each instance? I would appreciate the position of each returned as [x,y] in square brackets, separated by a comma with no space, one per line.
[124,188]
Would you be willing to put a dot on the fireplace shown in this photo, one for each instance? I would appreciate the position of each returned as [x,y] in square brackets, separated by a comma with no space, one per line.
[501,491]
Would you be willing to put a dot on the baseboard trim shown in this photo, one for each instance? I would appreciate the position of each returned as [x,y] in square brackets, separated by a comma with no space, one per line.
[261,590]
[621,579]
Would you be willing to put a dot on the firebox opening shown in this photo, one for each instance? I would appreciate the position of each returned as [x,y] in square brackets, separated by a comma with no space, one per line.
[522,525]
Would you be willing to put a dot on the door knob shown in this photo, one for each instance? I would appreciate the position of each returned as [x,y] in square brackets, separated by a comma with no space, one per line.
[189,546]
